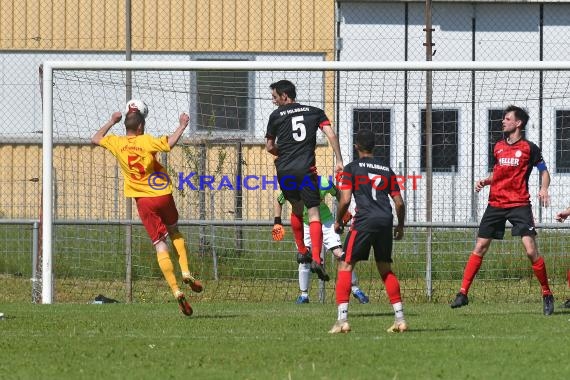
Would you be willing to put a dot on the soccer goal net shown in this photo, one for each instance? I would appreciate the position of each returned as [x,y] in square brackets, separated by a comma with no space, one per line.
[435,124]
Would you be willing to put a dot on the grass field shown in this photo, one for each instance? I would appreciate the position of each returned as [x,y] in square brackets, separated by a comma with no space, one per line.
[281,340]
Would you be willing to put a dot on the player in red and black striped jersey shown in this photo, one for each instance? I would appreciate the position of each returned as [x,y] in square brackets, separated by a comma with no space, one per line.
[292,137]
[372,183]
[509,199]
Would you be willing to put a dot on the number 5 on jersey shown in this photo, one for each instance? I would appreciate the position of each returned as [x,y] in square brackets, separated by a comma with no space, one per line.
[299,129]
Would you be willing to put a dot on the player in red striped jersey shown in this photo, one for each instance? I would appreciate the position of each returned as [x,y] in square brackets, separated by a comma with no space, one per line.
[509,199]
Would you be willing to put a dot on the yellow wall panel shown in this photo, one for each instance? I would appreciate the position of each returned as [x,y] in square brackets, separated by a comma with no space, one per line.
[216,16]
[190,25]
[229,19]
[19,29]
[268,35]
[255,25]
[45,23]
[309,13]
[203,25]
[295,22]
[72,24]
[58,19]
[181,25]
[177,28]
[150,26]
[241,24]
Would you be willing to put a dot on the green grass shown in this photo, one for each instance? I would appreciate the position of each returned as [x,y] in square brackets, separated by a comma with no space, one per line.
[280,340]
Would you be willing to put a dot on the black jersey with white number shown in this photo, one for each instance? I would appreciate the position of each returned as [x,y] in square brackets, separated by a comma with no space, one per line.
[371,182]
[294,126]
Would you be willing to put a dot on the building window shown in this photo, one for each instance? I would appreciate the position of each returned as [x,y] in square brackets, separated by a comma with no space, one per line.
[222,100]
[377,121]
[563,141]
[495,130]
[444,140]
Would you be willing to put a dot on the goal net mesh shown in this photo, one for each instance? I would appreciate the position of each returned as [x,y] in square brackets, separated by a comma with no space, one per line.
[224,184]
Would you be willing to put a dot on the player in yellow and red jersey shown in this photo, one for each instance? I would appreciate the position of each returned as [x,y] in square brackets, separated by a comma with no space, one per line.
[146,181]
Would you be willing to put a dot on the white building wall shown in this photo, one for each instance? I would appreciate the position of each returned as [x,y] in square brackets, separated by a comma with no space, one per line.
[462,32]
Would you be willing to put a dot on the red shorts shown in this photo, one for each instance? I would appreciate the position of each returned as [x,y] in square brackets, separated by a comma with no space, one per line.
[156,213]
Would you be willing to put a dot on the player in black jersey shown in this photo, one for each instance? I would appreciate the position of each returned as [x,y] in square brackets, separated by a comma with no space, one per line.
[372,183]
[292,137]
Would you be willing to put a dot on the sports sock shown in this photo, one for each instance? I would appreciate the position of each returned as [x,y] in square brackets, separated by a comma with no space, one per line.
[392,287]
[304,277]
[539,268]
[471,269]
[398,311]
[342,311]
[167,269]
[178,243]
[354,281]
[297,227]
[316,231]
[343,287]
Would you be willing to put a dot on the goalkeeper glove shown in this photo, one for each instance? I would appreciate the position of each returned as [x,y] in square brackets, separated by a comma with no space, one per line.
[278,231]
[346,218]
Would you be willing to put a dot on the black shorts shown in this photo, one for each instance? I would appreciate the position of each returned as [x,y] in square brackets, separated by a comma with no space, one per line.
[304,187]
[358,243]
[492,224]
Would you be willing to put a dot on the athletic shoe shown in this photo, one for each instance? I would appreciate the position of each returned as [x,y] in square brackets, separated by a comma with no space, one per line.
[460,300]
[548,304]
[398,327]
[194,284]
[340,326]
[566,304]
[184,306]
[305,258]
[320,271]
[360,296]
[302,299]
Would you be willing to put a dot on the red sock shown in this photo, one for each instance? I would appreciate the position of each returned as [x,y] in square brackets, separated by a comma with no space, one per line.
[471,269]
[392,287]
[316,231]
[343,286]
[539,269]
[568,275]
[297,227]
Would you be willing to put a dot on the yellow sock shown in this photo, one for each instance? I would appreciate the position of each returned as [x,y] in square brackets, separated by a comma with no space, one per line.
[167,269]
[178,243]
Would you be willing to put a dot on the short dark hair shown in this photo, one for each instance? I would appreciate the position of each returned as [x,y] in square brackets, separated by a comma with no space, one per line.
[365,140]
[284,86]
[520,114]
[133,119]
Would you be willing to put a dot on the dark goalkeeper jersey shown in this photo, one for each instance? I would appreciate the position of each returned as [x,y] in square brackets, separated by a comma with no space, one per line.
[371,182]
[294,126]
[513,165]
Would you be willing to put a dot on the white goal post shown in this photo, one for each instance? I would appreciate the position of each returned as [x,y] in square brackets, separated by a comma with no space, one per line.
[363,101]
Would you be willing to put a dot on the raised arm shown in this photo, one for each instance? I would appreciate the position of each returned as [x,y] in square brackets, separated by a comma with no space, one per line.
[98,136]
[183,123]
[333,141]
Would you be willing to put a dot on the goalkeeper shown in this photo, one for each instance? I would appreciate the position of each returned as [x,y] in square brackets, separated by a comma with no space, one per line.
[331,240]
[147,183]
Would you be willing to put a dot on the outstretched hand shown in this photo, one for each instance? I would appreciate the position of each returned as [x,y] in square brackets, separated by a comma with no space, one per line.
[562,215]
